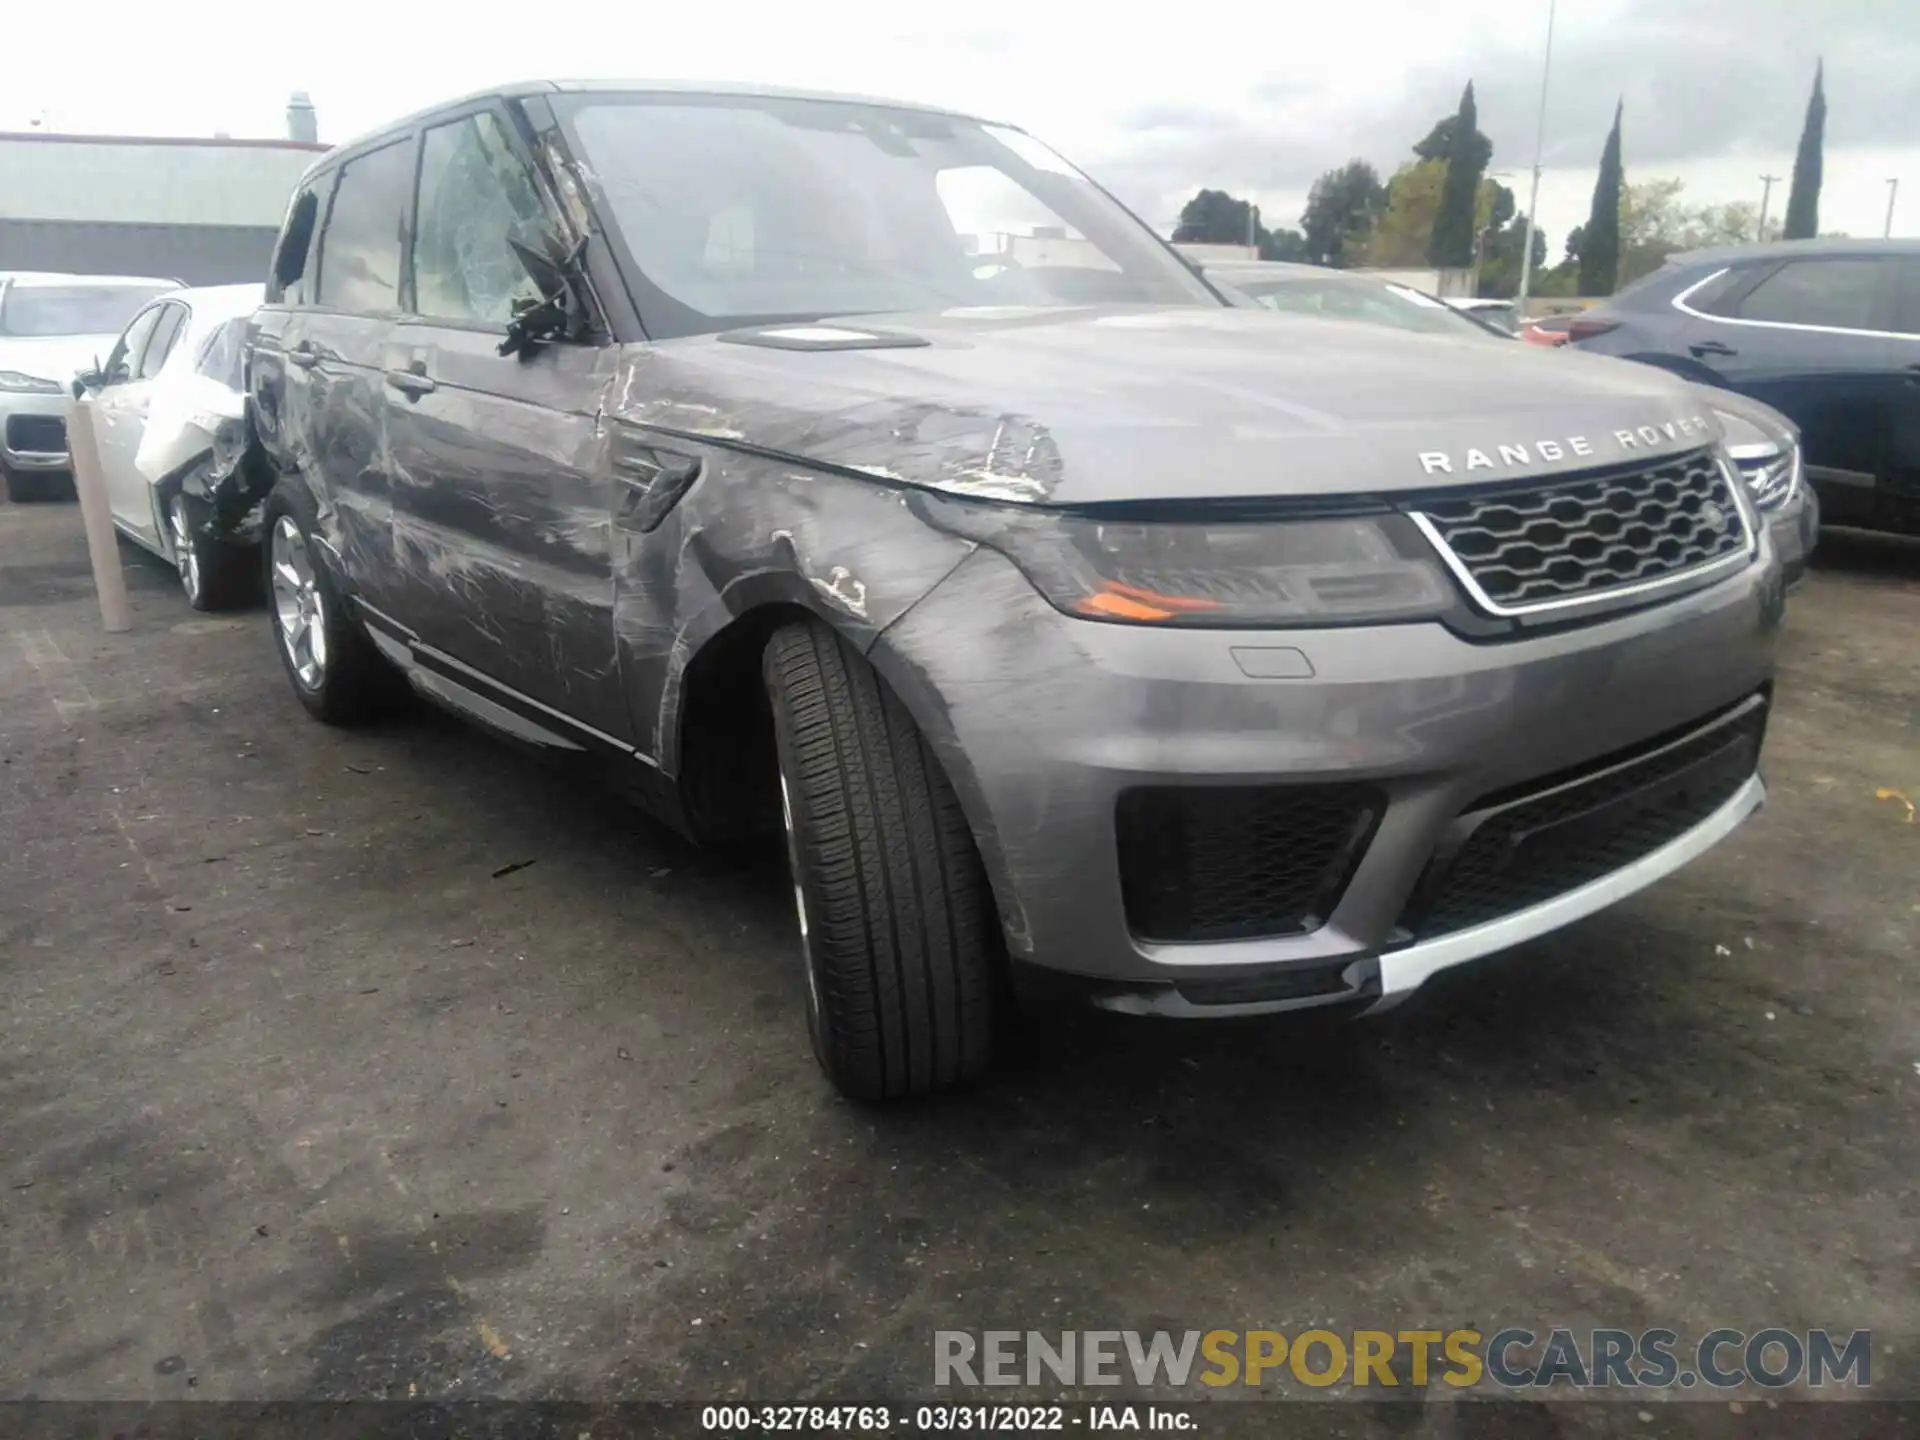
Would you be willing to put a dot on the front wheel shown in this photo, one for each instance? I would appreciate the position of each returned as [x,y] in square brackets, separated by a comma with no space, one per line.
[898,931]
[336,672]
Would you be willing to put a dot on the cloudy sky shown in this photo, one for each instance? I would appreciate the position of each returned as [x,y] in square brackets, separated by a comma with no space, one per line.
[1256,98]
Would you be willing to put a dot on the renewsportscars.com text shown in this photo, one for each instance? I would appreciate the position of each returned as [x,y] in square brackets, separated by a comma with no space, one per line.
[1515,1358]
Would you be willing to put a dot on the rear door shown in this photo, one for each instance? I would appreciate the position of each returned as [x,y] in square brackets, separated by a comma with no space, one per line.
[502,508]
[337,434]
[1810,337]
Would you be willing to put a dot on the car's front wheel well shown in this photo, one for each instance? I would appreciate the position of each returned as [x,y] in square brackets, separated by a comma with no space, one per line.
[728,775]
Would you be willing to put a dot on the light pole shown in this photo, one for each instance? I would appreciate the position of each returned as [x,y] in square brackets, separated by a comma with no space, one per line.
[1766,199]
[1893,193]
[1533,193]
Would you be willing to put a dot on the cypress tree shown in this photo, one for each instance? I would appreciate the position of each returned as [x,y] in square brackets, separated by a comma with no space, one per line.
[1453,223]
[1600,238]
[1803,204]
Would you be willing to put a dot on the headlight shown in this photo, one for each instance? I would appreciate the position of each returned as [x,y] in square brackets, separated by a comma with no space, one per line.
[1347,571]
[21,384]
[1768,462]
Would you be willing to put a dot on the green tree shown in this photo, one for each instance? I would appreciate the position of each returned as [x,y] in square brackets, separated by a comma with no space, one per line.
[1439,143]
[1500,257]
[1284,244]
[1803,202]
[1213,217]
[1467,156]
[1600,236]
[1342,209]
[1405,230]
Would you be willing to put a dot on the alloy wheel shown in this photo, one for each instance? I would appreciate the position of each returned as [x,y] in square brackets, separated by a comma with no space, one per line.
[298,606]
[186,554]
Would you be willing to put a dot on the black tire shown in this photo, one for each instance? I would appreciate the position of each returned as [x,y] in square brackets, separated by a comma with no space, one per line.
[353,683]
[214,573]
[899,933]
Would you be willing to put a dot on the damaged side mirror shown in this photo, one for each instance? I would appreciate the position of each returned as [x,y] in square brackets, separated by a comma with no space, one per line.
[85,380]
[559,312]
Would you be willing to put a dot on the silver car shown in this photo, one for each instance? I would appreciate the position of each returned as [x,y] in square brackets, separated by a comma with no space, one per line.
[169,409]
[864,474]
[51,328]
[1763,442]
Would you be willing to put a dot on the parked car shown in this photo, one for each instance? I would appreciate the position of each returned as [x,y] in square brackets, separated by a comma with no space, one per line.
[52,326]
[1825,331]
[1547,330]
[1762,442]
[169,407]
[1497,313]
[863,474]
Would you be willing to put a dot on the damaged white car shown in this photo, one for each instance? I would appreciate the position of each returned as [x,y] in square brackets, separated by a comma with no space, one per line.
[169,411]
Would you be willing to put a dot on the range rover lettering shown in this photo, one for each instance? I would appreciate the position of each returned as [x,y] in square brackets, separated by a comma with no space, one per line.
[863,474]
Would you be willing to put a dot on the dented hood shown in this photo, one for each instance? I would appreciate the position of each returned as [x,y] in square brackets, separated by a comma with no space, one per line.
[1083,406]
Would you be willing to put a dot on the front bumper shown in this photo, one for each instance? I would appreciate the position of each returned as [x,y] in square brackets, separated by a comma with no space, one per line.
[1044,723]
[1795,528]
[33,431]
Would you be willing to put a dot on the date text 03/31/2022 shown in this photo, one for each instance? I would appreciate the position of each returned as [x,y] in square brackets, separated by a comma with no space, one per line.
[935,1419]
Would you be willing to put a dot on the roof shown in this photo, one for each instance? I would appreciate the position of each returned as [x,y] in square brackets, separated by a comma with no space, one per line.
[33,279]
[527,89]
[1786,249]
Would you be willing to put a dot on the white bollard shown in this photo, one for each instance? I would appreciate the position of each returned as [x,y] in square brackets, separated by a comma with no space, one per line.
[109,583]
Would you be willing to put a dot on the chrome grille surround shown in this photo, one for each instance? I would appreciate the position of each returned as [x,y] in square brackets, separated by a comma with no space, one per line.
[1593,542]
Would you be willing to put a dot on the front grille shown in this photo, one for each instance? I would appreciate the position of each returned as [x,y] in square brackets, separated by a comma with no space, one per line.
[1551,545]
[1508,853]
[1220,863]
[36,434]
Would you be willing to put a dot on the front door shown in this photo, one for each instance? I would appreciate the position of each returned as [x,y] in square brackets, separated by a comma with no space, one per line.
[502,511]
[120,413]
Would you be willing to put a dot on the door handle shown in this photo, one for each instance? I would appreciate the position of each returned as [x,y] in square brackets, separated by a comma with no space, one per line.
[1710,347]
[303,355]
[411,383]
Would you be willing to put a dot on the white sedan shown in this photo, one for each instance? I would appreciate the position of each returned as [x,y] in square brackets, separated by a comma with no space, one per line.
[169,414]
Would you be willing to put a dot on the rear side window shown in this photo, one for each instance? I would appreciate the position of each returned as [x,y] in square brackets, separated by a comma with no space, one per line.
[223,354]
[1716,296]
[291,282]
[1840,294]
[360,244]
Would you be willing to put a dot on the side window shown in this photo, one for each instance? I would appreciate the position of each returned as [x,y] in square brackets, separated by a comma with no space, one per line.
[474,194]
[1908,320]
[1843,294]
[1716,297]
[291,281]
[124,363]
[166,333]
[360,244]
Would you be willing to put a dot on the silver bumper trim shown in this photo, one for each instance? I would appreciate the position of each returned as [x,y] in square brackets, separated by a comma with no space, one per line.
[1401,972]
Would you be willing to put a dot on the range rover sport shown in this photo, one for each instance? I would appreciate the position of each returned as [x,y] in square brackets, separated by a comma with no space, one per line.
[865,473]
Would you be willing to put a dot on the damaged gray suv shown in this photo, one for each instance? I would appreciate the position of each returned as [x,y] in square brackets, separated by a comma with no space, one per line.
[866,474]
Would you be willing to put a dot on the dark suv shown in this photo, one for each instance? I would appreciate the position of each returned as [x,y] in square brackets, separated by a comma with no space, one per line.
[1825,331]
[865,474]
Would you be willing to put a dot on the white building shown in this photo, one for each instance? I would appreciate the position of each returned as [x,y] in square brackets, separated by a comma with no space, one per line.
[203,211]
